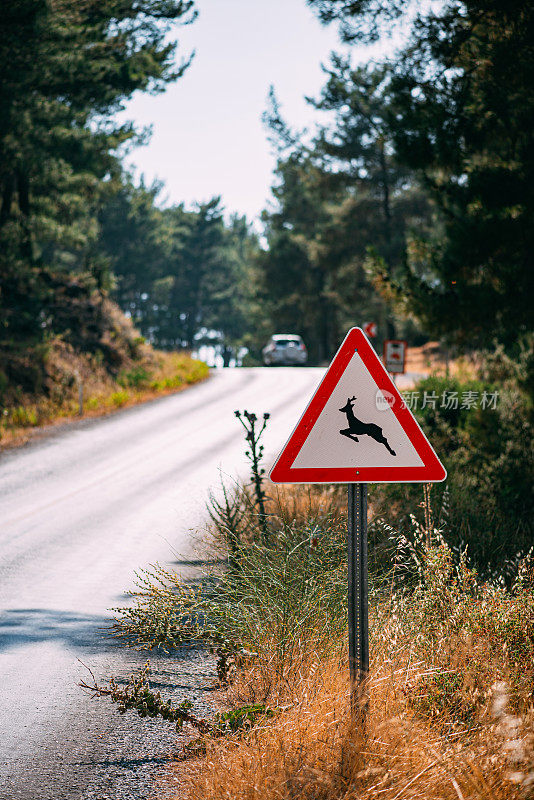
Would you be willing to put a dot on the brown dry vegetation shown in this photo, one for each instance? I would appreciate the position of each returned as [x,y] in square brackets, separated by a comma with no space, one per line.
[450,712]
[313,750]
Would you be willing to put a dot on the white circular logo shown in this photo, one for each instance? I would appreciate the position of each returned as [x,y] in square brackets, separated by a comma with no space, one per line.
[384,400]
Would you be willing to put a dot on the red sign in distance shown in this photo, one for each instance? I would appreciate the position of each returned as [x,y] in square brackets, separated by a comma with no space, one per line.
[357,428]
[369,329]
[395,355]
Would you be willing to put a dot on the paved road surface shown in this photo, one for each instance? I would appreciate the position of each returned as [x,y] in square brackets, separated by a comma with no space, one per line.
[80,511]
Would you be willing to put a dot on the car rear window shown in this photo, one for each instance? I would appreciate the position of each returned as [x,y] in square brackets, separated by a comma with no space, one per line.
[284,342]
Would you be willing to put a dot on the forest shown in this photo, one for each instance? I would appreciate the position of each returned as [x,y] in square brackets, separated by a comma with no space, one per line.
[409,203]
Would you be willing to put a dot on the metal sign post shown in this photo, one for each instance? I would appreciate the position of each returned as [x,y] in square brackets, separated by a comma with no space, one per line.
[358,594]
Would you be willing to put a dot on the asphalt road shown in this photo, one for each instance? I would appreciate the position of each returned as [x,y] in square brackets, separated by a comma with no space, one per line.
[81,511]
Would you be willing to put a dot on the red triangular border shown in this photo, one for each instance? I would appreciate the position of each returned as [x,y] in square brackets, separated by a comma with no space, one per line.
[282,471]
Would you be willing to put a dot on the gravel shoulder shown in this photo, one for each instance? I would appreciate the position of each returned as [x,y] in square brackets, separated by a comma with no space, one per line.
[112,756]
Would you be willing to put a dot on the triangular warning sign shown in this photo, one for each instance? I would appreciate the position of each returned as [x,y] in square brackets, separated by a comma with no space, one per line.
[357,428]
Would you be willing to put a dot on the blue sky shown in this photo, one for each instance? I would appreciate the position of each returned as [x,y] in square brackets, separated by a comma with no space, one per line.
[207,136]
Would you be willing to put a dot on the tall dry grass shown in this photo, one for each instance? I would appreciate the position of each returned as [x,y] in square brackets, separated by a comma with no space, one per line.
[312,749]
[450,711]
[429,733]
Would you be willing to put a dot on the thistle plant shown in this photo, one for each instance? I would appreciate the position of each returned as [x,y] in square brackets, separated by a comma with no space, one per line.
[254,431]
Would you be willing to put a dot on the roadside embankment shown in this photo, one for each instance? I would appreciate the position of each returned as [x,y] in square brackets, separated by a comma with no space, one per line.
[49,384]
[450,711]
[90,392]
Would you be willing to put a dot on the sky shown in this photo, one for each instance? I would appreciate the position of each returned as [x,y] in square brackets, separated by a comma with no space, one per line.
[208,138]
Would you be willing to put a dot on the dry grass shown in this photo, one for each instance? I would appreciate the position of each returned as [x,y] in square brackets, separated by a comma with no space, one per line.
[300,505]
[431,358]
[450,713]
[314,750]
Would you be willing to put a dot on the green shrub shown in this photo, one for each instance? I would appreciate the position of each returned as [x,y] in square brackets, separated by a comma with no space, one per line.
[136,378]
[23,416]
[280,601]
[280,592]
[488,455]
[468,632]
[119,399]
[198,372]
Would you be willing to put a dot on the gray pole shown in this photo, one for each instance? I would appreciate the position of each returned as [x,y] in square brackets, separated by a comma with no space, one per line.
[358,593]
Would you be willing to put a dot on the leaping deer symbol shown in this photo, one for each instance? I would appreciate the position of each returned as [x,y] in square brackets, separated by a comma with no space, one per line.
[358,428]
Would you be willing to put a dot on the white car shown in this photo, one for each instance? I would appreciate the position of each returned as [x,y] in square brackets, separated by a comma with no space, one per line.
[284,349]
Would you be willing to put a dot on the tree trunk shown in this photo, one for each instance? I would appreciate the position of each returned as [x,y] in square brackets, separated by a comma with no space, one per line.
[386,207]
[23,185]
[6,198]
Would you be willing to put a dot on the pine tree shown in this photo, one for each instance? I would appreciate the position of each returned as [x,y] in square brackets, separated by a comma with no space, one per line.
[66,68]
[462,95]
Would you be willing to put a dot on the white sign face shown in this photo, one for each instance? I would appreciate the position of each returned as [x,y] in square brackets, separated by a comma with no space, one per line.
[357,427]
[395,355]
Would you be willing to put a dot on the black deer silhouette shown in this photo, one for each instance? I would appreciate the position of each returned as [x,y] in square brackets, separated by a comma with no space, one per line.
[358,428]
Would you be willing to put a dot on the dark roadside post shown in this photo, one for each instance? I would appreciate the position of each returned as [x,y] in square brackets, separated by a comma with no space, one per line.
[80,398]
[79,384]
[358,597]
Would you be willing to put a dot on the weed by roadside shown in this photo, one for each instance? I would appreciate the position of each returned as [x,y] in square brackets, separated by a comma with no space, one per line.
[274,601]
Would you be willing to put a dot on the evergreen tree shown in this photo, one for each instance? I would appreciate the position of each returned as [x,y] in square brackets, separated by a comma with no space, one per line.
[294,278]
[66,68]
[357,150]
[182,275]
[339,196]
[462,94]
[138,240]
[232,315]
